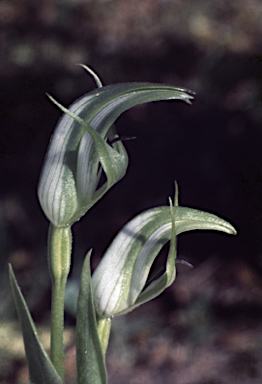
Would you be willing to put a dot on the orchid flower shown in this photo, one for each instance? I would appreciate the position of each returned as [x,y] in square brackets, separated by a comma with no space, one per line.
[120,282]
[80,149]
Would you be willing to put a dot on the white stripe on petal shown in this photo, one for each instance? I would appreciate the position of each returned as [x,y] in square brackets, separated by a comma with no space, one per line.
[145,259]
[107,280]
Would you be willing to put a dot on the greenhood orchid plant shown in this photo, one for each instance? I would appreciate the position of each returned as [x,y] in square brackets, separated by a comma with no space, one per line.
[84,146]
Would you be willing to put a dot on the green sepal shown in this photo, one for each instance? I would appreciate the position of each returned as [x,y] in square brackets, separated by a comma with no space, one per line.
[40,367]
[89,355]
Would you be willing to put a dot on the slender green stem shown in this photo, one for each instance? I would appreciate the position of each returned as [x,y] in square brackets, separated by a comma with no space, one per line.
[59,257]
[103,329]
[57,327]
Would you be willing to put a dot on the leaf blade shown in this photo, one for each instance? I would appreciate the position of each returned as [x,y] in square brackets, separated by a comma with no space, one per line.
[90,360]
[41,369]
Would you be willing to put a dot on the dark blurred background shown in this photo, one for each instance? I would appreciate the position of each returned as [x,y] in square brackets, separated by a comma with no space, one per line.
[206,328]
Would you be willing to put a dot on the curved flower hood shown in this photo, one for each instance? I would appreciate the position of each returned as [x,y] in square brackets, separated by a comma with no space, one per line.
[79,150]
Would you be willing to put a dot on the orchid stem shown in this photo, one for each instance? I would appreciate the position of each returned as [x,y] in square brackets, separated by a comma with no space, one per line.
[59,257]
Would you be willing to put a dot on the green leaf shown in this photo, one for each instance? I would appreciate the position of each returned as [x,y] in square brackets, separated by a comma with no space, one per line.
[90,360]
[41,369]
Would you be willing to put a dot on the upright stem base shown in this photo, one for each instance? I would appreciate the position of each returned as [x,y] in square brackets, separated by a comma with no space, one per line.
[59,258]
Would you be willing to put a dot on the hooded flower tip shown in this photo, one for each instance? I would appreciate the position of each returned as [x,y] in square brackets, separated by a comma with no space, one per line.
[79,147]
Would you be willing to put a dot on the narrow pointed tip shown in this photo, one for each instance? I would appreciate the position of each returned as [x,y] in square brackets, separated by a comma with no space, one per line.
[229,229]
[51,98]
[184,262]
[176,194]
[10,268]
[98,81]
[234,231]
